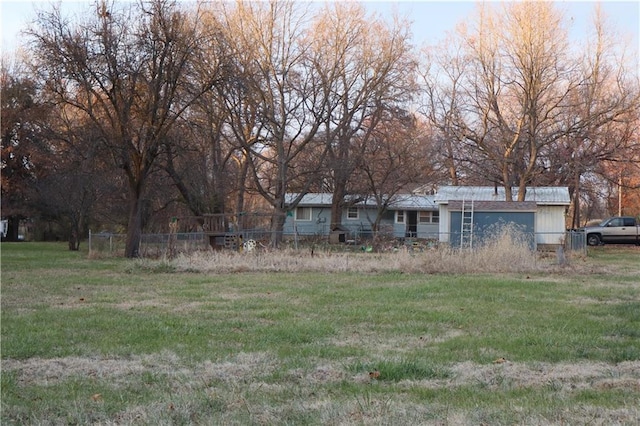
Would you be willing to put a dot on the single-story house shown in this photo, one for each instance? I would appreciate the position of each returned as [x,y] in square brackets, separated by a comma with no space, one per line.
[469,213]
[408,215]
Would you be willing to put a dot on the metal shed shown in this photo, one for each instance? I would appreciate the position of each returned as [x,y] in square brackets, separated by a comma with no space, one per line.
[478,211]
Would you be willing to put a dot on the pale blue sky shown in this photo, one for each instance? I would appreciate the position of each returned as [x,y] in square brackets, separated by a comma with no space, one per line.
[431,19]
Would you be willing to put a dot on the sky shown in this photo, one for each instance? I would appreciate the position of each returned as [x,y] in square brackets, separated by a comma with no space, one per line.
[431,19]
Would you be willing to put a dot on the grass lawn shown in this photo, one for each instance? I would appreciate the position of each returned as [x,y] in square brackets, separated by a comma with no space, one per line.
[115,341]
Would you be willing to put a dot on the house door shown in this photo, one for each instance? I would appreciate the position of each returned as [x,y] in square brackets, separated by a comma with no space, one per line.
[412,224]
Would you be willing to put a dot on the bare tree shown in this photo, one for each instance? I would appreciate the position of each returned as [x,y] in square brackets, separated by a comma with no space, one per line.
[398,155]
[277,108]
[365,65]
[129,71]
[520,93]
[602,117]
[71,184]
[197,155]
[234,112]
[23,150]
[520,81]
[443,72]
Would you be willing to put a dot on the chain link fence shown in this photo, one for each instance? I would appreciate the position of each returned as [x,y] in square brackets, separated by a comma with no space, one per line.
[168,245]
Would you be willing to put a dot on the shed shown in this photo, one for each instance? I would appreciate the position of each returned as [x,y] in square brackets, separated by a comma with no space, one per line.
[474,212]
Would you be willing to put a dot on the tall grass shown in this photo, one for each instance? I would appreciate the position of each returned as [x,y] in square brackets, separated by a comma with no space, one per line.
[507,251]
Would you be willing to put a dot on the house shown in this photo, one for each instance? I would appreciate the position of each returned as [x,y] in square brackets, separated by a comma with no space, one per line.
[408,215]
[469,213]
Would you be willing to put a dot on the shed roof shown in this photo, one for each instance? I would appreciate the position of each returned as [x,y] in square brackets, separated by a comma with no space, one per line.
[551,195]
[400,201]
[490,206]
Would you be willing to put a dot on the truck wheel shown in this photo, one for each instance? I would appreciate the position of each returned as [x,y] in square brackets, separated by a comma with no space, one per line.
[593,240]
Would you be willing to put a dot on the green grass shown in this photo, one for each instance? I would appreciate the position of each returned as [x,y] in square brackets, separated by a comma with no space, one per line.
[113,340]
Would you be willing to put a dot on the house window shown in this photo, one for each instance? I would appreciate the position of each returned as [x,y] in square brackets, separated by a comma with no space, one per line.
[429,217]
[352,213]
[400,216]
[303,213]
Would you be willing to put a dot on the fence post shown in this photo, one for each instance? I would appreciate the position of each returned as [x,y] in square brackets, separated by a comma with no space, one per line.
[89,242]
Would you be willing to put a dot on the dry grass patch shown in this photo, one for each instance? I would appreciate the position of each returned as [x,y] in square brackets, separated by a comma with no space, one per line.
[257,368]
[375,342]
[245,385]
[569,377]
[503,256]
[508,253]
[39,371]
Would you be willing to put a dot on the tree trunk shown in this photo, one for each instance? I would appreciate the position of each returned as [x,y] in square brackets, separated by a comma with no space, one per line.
[375,225]
[342,162]
[242,186]
[450,162]
[337,204]
[134,227]
[506,181]
[78,219]
[277,227]
[522,189]
[74,240]
[575,222]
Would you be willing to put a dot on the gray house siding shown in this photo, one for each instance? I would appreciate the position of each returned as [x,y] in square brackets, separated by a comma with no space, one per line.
[320,222]
[317,224]
[312,217]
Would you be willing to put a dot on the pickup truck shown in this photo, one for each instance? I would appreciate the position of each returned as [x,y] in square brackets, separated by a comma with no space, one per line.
[615,230]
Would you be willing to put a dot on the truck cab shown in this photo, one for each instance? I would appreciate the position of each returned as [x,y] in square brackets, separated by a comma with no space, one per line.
[615,230]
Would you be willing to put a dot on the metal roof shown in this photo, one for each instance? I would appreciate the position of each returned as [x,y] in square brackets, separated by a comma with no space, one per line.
[415,202]
[401,201]
[490,206]
[311,199]
[551,195]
